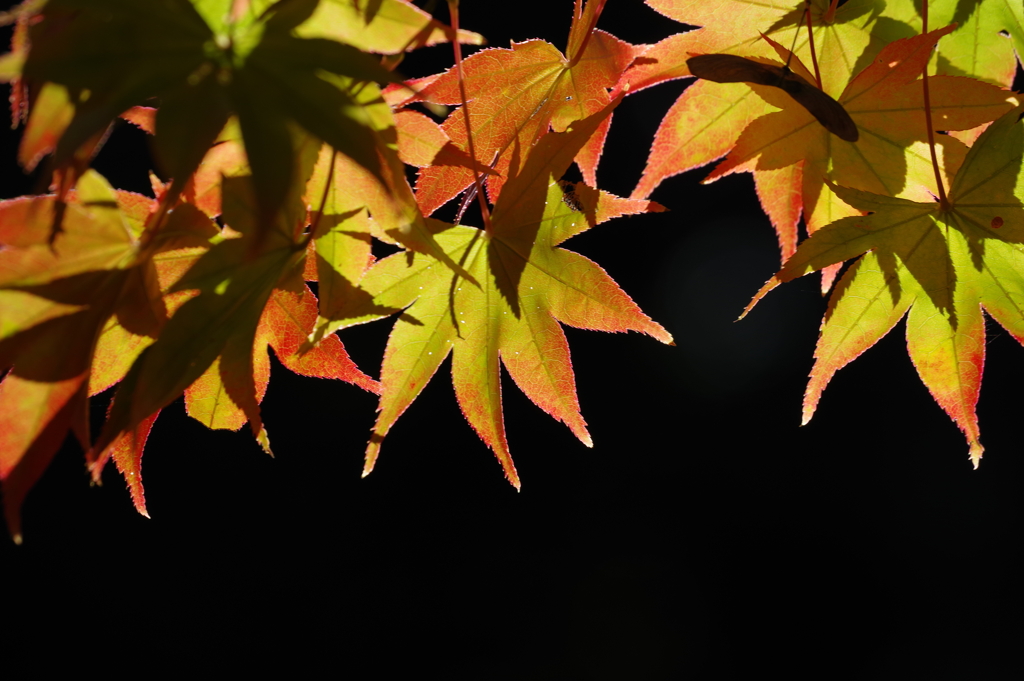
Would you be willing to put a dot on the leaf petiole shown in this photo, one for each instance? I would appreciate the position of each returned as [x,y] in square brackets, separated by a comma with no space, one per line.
[943,201]
[453,9]
[810,43]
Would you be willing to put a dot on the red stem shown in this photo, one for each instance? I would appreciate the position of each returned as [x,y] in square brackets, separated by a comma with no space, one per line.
[575,58]
[943,201]
[810,40]
[453,8]
[830,13]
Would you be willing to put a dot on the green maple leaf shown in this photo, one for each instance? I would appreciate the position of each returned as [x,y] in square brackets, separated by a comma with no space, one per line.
[528,284]
[706,120]
[771,135]
[944,265]
[989,33]
[791,154]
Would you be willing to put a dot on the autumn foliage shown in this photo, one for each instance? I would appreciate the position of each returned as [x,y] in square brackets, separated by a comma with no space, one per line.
[283,133]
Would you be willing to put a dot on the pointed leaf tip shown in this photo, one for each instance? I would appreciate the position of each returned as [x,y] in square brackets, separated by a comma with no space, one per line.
[768,286]
[372,451]
[976,453]
[264,441]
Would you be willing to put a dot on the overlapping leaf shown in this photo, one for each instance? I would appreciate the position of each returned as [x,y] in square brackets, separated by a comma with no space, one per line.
[943,265]
[214,348]
[706,120]
[711,120]
[55,301]
[101,58]
[515,95]
[527,285]
[885,100]
[988,40]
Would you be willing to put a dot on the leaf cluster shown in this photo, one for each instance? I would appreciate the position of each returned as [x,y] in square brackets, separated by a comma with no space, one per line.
[283,134]
[284,160]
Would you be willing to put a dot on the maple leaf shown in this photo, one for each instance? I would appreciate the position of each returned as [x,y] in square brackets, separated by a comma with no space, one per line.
[944,265]
[284,325]
[885,100]
[770,135]
[235,278]
[234,303]
[56,299]
[186,235]
[528,284]
[100,58]
[515,95]
[224,392]
[704,123]
[989,33]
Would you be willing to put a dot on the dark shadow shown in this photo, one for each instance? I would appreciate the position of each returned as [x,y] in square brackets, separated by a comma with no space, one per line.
[523,208]
[347,299]
[1007,224]
[890,268]
[372,8]
[455,281]
[60,348]
[965,9]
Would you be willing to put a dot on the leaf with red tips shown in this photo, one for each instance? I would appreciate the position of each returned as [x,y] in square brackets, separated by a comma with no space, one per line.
[706,121]
[527,286]
[127,453]
[233,284]
[285,326]
[866,304]
[36,418]
[943,264]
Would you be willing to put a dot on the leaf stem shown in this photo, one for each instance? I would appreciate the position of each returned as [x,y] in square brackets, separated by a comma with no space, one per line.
[943,201]
[830,13]
[453,9]
[810,42]
[588,31]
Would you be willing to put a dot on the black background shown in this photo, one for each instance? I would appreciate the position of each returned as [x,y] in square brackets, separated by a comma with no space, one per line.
[705,536]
